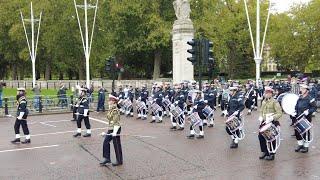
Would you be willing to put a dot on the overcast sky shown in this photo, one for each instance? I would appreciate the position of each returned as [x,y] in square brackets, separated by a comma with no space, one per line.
[284,5]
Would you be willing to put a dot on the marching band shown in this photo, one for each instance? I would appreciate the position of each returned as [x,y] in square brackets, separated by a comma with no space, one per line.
[186,103]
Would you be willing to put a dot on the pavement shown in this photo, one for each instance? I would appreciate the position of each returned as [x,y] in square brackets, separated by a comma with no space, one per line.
[151,151]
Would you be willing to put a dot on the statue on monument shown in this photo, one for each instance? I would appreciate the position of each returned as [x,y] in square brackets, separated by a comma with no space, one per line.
[182,9]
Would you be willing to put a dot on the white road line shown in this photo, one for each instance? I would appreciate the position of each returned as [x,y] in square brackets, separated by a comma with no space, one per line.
[63,132]
[49,121]
[23,149]
[47,124]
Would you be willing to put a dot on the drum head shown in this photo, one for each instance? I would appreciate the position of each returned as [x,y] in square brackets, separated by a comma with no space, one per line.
[265,127]
[289,102]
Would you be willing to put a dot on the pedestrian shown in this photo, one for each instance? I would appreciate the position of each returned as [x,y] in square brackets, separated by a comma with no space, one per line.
[113,133]
[21,120]
[83,114]
[62,96]
[36,99]
[101,99]
[2,84]
[270,113]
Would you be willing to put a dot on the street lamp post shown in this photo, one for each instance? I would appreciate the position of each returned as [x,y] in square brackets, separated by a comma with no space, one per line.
[85,40]
[34,43]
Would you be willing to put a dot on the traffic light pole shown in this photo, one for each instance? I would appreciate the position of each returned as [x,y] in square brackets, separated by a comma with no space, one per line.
[200,61]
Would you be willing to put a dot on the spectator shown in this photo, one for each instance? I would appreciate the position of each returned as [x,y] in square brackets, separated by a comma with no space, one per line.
[2,84]
[90,92]
[62,96]
[101,99]
[36,101]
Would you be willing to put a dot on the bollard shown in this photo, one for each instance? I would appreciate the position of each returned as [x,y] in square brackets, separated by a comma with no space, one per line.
[47,85]
[71,101]
[40,104]
[6,111]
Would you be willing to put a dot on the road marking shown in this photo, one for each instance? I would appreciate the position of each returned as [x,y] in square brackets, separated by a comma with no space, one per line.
[47,124]
[23,149]
[98,120]
[62,132]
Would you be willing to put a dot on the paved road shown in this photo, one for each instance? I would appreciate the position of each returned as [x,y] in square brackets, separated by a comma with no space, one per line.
[151,151]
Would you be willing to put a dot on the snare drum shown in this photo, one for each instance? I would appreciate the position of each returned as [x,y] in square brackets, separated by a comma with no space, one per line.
[195,119]
[233,123]
[140,105]
[208,112]
[302,125]
[166,103]
[176,111]
[121,102]
[127,103]
[155,108]
[270,132]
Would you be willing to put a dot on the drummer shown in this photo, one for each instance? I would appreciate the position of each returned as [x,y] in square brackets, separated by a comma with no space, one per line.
[235,106]
[306,105]
[269,106]
[199,106]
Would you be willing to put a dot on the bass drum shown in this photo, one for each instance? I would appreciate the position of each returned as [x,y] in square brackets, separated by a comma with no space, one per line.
[288,103]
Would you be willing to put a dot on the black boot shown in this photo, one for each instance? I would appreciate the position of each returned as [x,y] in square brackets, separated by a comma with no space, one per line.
[76,135]
[210,125]
[270,157]
[180,129]
[105,162]
[233,145]
[116,164]
[27,141]
[263,155]
[191,136]
[87,135]
[304,149]
[200,137]
[298,148]
[153,121]
[16,140]
[173,128]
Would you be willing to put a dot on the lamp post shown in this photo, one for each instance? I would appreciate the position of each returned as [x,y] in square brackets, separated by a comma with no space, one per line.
[85,39]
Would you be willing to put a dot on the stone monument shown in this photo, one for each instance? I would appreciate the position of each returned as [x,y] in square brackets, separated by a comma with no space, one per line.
[182,32]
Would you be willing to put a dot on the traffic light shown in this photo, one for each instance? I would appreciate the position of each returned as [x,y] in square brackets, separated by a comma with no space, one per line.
[207,52]
[110,65]
[194,51]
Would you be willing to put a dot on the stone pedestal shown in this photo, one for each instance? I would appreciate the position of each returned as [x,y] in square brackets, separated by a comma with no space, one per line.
[182,32]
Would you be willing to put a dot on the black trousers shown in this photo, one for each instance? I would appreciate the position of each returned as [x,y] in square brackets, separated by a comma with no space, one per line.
[117,146]
[223,105]
[86,121]
[263,144]
[24,125]
[237,132]
[74,109]
[249,103]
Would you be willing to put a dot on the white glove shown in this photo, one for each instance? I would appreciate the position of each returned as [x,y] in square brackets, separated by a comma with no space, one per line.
[176,102]
[306,112]
[225,112]
[115,130]
[139,98]
[103,134]
[77,105]
[206,101]
[260,119]
[236,113]
[269,119]
[293,114]
[172,106]
[20,115]
[85,112]
[195,107]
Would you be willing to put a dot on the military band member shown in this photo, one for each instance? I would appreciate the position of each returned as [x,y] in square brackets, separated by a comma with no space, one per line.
[121,96]
[250,97]
[83,114]
[179,102]
[270,113]
[143,97]
[209,99]
[199,106]
[157,98]
[305,106]
[113,133]
[235,106]
[21,120]
[130,96]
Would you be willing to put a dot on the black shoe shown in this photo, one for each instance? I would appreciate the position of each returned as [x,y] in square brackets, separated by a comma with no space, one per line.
[17,140]
[304,150]
[76,135]
[105,162]
[159,121]
[173,128]
[270,157]
[116,164]
[205,124]
[87,135]
[27,141]
[131,115]
[191,136]
[180,129]
[233,145]
[298,148]
[138,118]
[210,125]
[293,135]
[153,121]
[263,155]
[144,118]
[222,115]
[73,120]
[249,113]
[200,137]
